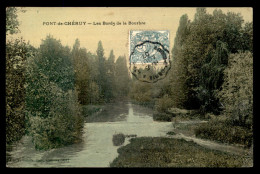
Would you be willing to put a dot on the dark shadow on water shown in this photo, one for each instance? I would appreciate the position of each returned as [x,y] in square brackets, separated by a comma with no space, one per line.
[119,111]
[142,110]
[112,112]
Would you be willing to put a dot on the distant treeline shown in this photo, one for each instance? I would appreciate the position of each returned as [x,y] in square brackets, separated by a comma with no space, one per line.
[99,79]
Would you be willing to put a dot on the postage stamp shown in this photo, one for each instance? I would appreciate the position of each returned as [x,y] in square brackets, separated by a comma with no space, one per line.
[149,55]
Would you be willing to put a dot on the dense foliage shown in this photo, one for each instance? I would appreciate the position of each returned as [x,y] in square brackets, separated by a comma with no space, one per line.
[46,85]
[204,61]
[17,51]
[237,89]
[81,69]
[200,55]
[11,20]
[213,72]
[52,112]
[99,79]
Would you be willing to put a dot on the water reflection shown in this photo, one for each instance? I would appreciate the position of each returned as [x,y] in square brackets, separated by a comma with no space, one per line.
[112,112]
[139,114]
[96,149]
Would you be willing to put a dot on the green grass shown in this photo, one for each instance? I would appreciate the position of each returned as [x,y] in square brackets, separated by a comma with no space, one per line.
[186,129]
[169,152]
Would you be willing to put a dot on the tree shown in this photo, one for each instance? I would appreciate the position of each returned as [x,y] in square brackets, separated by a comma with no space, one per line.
[55,61]
[237,89]
[93,88]
[212,79]
[102,79]
[200,56]
[247,37]
[141,92]
[181,35]
[110,71]
[121,77]
[82,72]
[17,52]
[11,20]
[232,32]
[12,23]
[200,14]
[178,73]
[52,112]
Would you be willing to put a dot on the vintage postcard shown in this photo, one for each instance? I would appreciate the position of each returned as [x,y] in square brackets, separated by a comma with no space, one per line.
[129,87]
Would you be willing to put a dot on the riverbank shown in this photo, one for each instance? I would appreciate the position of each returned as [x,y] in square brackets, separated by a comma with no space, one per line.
[181,148]
[170,152]
[97,148]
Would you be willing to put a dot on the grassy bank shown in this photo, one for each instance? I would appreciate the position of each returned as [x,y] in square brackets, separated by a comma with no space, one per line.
[176,114]
[218,128]
[169,152]
[224,132]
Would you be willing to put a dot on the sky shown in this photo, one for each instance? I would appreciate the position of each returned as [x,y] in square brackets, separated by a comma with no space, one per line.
[35,24]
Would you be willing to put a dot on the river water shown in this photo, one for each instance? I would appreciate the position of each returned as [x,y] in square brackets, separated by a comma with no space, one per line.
[96,149]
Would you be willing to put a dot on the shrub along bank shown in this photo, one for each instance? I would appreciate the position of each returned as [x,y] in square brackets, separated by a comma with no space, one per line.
[169,152]
[225,132]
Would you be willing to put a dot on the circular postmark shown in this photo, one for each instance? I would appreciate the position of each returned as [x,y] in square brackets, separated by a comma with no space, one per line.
[149,61]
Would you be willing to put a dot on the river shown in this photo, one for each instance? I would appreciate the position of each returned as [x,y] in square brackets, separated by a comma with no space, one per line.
[96,149]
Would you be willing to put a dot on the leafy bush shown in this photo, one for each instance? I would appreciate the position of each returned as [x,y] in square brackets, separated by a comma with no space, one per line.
[237,92]
[62,124]
[223,131]
[163,104]
[158,116]
[141,92]
[118,139]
